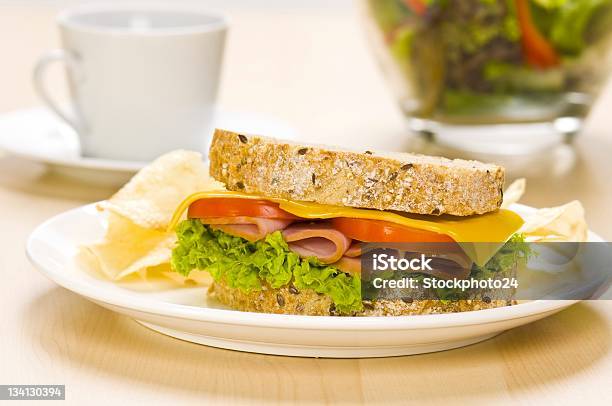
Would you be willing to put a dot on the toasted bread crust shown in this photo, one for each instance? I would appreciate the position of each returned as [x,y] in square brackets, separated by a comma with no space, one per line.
[309,303]
[385,181]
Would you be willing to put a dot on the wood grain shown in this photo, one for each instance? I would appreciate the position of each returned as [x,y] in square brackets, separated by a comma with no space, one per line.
[311,69]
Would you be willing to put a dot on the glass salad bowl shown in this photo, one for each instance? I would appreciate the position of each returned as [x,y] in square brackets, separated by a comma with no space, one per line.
[501,76]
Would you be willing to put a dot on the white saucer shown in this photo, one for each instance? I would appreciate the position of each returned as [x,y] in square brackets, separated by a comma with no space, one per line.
[38,135]
[187,313]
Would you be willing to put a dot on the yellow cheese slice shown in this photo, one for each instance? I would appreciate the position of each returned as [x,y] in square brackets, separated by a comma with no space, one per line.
[480,236]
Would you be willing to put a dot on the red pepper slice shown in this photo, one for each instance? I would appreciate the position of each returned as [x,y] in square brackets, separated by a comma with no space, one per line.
[417,6]
[537,50]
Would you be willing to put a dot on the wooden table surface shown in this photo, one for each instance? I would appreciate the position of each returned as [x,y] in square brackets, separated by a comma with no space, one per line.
[309,66]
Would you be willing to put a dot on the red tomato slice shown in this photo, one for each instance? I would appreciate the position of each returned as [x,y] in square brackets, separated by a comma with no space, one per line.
[358,229]
[383,231]
[228,207]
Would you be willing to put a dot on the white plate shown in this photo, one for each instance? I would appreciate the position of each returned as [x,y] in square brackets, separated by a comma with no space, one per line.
[38,135]
[186,313]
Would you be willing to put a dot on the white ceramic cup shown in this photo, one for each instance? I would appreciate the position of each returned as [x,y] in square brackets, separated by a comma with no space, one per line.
[143,78]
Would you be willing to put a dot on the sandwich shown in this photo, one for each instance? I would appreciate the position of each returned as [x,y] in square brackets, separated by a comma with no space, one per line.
[287,235]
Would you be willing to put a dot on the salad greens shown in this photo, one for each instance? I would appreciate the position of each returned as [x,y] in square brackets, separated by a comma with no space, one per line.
[493,53]
[249,265]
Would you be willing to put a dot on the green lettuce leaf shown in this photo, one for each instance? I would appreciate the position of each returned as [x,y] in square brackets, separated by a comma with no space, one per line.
[247,266]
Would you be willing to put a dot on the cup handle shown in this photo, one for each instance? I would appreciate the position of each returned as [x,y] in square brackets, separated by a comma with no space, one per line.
[38,77]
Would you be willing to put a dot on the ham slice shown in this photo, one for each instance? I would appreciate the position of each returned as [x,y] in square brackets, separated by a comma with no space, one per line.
[354,250]
[249,228]
[442,268]
[447,263]
[351,265]
[319,240]
[330,246]
[445,268]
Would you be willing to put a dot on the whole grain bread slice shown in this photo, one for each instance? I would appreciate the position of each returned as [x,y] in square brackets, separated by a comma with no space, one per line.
[386,181]
[308,302]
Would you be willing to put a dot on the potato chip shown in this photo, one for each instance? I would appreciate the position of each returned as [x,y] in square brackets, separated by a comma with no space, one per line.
[128,248]
[150,197]
[136,241]
[563,223]
[514,192]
